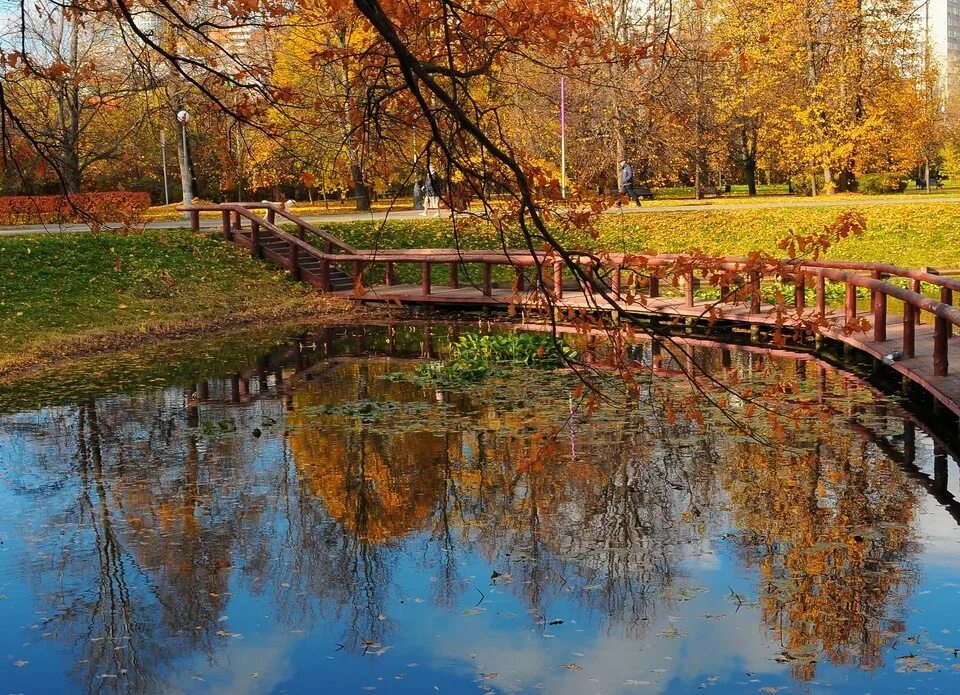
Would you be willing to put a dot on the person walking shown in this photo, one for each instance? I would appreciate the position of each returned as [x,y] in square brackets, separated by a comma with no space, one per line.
[626,182]
[431,192]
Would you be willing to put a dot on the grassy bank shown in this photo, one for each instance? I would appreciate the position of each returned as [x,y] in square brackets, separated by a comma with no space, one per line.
[909,235]
[74,294]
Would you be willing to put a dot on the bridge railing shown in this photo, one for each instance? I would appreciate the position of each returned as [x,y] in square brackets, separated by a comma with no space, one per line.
[606,274]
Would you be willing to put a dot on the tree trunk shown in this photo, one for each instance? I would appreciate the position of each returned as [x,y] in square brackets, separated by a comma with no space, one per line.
[749,142]
[360,191]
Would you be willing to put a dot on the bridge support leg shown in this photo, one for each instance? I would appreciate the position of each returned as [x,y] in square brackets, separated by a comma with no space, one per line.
[195,220]
[946,296]
[227,226]
[425,278]
[454,275]
[821,297]
[909,330]
[879,316]
[487,280]
[799,292]
[850,303]
[916,287]
[941,332]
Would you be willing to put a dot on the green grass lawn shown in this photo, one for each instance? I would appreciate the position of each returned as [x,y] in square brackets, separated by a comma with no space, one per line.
[57,287]
[909,235]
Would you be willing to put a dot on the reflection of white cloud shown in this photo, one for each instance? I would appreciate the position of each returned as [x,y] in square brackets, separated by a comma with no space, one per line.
[940,533]
[610,663]
[242,669]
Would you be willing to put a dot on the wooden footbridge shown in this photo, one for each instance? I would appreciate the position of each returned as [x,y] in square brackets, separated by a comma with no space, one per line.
[913,333]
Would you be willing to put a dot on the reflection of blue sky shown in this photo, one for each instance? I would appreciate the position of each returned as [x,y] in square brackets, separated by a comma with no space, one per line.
[705,640]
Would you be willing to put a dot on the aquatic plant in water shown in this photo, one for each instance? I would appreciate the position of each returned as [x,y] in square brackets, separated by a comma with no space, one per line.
[475,356]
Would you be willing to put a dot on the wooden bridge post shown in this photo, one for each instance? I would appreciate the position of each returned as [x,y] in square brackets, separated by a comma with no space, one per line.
[425,279]
[521,283]
[255,239]
[946,297]
[301,232]
[558,279]
[325,275]
[653,284]
[357,272]
[821,296]
[487,283]
[941,332]
[799,292]
[454,275]
[195,220]
[909,330]
[754,291]
[271,215]
[688,290]
[227,226]
[235,217]
[850,302]
[879,312]
[916,288]
[294,260]
[388,274]
[615,281]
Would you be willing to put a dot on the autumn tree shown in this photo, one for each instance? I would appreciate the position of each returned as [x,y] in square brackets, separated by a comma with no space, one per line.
[70,94]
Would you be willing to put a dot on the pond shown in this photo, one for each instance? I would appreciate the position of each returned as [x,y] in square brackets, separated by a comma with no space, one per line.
[311,519]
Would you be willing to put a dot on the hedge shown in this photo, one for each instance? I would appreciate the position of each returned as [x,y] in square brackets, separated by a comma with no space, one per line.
[115,206]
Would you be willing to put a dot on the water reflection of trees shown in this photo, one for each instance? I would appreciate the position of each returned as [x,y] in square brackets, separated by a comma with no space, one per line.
[136,549]
[151,519]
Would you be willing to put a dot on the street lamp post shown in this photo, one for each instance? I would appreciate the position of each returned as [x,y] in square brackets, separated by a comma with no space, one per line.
[163,152]
[186,175]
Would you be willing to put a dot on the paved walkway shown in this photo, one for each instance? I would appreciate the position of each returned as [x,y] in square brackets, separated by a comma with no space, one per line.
[400,214]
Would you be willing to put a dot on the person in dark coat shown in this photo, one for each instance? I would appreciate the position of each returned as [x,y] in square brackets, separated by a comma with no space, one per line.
[626,182]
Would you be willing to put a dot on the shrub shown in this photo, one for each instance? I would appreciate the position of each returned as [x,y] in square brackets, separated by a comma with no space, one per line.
[95,208]
[882,183]
[802,184]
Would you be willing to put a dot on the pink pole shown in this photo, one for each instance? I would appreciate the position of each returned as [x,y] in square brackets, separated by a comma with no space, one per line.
[563,137]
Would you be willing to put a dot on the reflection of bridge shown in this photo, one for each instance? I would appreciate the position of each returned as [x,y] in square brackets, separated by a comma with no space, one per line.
[292,368]
[663,286]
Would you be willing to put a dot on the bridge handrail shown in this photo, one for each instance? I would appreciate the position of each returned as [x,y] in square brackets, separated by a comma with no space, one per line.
[857,266]
[276,208]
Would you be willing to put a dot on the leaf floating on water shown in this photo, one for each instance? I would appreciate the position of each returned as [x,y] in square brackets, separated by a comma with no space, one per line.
[572,666]
[489,676]
[20,663]
[914,664]
[771,689]
[474,611]
[634,682]
[672,633]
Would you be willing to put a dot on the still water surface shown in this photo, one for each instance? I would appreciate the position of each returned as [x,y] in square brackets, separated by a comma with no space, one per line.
[310,524]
